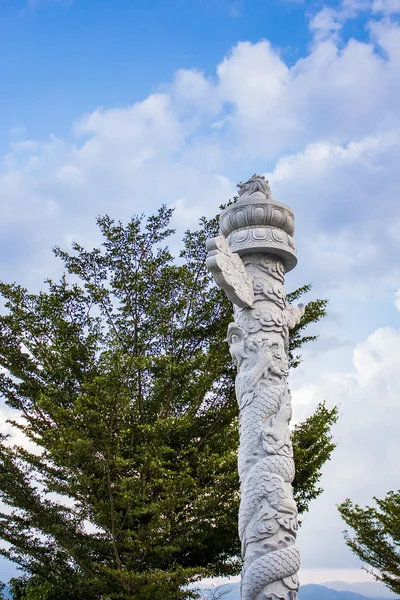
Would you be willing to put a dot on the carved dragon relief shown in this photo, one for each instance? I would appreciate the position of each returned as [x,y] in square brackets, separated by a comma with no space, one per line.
[258,343]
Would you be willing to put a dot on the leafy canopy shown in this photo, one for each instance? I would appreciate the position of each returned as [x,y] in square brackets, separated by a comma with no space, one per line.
[376,539]
[122,382]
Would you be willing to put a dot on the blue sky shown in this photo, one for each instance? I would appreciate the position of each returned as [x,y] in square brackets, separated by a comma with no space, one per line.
[117,106]
[59,59]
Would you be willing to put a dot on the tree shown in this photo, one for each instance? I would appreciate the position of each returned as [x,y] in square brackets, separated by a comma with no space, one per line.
[314,311]
[376,539]
[121,378]
[312,446]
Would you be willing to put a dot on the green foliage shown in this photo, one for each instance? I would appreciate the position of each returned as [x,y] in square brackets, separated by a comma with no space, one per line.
[312,447]
[314,312]
[2,588]
[121,378]
[376,539]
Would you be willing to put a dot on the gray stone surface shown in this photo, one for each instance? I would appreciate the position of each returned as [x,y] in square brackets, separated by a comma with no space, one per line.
[249,260]
[307,592]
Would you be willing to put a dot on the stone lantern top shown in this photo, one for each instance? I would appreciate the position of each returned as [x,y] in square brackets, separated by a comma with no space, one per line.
[258,223]
[256,184]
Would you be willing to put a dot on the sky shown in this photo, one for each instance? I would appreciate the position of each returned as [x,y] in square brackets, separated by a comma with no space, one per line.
[119,106]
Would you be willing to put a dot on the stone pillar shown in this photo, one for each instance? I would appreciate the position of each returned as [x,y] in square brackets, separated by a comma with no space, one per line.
[249,260]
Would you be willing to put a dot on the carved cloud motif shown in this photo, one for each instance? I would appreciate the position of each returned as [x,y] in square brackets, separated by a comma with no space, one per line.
[229,272]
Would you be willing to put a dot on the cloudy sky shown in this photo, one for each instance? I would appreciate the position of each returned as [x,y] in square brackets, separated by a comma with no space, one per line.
[118,106]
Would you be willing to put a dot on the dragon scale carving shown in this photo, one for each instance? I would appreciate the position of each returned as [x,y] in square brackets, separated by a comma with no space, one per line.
[258,343]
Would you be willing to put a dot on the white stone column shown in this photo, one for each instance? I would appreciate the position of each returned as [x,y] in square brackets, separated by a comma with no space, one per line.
[249,260]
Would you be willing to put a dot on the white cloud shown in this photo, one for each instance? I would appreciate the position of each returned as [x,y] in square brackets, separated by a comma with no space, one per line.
[326,128]
[351,7]
[325,24]
[386,6]
[15,131]
[332,108]
[25,146]
[365,462]
[16,435]
[344,201]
